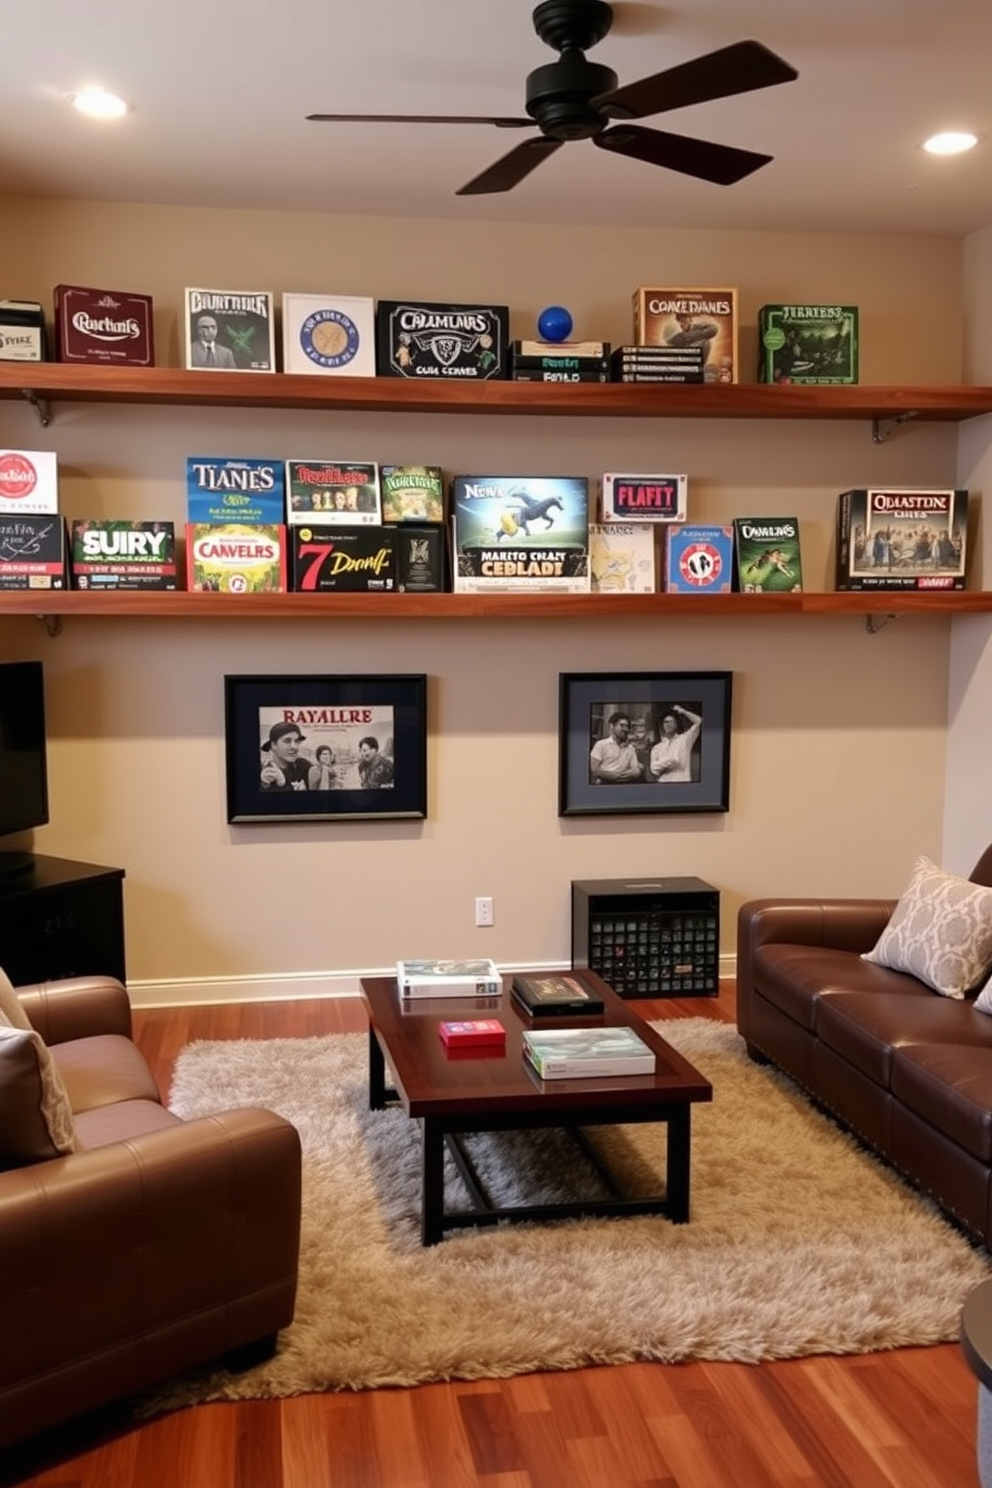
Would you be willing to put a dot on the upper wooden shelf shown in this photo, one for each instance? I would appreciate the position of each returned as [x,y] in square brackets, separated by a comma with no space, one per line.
[45,382]
[206,606]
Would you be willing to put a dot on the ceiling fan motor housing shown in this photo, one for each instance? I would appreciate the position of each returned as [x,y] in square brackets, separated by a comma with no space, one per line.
[559,96]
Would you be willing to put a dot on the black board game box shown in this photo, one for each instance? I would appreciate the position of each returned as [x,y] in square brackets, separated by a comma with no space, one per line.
[420,559]
[465,342]
[767,555]
[808,344]
[122,554]
[902,538]
[32,552]
[107,326]
[657,364]
[329,560]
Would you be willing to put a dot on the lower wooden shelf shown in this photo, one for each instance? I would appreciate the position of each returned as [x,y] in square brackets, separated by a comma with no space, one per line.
[598,607]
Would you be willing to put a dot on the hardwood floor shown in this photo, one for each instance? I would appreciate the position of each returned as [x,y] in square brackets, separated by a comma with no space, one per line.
[903,1419]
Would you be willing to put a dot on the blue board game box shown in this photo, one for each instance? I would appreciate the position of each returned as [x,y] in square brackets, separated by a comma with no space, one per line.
[232,489]
[699,560]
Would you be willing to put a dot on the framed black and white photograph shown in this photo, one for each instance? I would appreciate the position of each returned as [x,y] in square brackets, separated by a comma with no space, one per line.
[643,742]
[325,748]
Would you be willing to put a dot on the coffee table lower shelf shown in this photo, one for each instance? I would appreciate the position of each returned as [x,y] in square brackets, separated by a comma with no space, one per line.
[437,1134]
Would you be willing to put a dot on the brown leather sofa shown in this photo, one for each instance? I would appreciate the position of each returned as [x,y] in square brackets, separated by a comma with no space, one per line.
[907,1070]
[156,1246]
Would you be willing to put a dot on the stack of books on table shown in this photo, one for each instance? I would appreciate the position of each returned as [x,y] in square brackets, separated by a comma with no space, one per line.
[581,1053]
[475,977]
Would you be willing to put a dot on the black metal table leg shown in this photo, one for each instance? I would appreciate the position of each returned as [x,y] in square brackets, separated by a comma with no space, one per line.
[432,1159]
[677,1181]
[377,1074]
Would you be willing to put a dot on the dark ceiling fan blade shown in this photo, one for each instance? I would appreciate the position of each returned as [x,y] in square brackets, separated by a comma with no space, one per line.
[740,68]
[504,123]
[512,169]
[721,164]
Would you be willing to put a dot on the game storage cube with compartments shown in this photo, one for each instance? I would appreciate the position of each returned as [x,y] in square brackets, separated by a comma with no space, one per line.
[648,937]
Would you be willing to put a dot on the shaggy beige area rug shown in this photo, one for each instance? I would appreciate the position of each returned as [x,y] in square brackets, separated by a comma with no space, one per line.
[799,1242]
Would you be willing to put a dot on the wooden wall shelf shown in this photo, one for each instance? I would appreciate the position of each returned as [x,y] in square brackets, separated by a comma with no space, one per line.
[48,382]
[203,606]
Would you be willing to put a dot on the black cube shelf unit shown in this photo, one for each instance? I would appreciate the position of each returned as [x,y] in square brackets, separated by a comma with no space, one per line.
[648,937]
[59,918]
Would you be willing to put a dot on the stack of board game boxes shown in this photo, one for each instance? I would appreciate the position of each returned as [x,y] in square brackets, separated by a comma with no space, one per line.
[313,526]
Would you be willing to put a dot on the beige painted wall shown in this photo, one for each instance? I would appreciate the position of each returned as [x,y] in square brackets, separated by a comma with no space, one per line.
[838,736]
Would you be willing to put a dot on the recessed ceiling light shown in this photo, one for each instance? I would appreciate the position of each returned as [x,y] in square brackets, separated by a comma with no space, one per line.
[952,142]
[97,103]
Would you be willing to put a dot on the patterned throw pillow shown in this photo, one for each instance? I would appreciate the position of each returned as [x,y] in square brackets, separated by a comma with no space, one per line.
[940,932]
[35,1114]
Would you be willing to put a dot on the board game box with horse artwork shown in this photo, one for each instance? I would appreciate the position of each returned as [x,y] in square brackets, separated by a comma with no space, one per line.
[513,534]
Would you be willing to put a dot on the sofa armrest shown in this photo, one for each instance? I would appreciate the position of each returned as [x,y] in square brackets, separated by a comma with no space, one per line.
[167,1249]
[77,1007]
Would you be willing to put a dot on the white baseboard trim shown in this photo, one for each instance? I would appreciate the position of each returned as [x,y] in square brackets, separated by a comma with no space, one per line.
[294,986]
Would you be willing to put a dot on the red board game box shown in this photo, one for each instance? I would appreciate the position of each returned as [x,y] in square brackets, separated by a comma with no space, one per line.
[475,1033]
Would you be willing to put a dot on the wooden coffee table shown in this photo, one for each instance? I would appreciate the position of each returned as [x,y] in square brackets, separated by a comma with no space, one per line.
[496,1090]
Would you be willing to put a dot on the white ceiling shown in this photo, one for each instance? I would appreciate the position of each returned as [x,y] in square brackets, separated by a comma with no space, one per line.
[220,90]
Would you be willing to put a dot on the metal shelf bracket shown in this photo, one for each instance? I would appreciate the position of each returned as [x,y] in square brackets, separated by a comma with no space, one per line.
[881,428]
[41,407]
[52,623]
[875,623]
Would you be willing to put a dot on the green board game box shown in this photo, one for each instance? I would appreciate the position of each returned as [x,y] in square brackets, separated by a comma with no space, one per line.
[808,344]
[767,556]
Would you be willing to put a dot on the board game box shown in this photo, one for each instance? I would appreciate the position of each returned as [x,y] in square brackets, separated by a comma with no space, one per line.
[328,335]
[657,364]
[622,558]
[644,498]
[336,493]
[699,560]
[902,538]
[468,342]
[29,481]
[420,558]
[688,316]
[107,326]
[22,331]
[233,489]
[767,555]
[32,552]
[808,344]
[336,559]
[122,554]
[520,534]
[230,330]
[412,493]
[236,558]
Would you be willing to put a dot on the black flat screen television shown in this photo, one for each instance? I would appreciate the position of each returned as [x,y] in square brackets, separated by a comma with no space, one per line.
[23,756]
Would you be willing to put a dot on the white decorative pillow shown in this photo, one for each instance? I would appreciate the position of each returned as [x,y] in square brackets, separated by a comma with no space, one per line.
[35,1115]
[10,1004]
[940,932]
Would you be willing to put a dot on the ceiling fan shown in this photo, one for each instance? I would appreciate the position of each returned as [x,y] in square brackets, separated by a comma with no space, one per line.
[574,98]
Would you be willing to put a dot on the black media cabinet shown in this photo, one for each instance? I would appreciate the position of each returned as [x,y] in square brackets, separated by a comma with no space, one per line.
[60,919]
[648,937]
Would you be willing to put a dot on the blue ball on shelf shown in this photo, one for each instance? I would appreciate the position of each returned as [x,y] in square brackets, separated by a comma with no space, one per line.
[554,323]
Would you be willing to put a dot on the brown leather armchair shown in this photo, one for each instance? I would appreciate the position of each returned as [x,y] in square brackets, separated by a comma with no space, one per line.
[156,1246]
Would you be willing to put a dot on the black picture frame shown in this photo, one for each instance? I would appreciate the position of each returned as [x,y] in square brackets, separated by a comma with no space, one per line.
[587,701]
[266,782]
